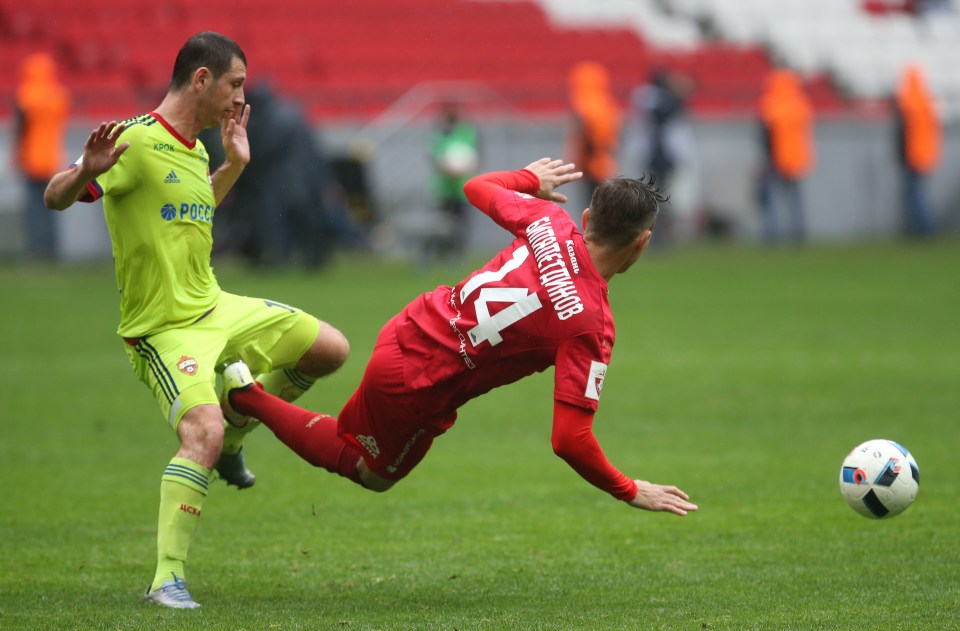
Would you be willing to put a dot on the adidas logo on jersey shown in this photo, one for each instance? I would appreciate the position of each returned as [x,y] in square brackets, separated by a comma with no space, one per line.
[171,178]
[370,443]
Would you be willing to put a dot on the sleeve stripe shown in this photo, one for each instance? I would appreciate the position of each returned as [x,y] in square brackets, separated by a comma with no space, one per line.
[94,192]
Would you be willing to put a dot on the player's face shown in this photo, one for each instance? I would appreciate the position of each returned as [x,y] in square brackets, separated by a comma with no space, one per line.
[224,98]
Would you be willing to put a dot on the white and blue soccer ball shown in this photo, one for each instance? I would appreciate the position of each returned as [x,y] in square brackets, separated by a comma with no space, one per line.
[879,479]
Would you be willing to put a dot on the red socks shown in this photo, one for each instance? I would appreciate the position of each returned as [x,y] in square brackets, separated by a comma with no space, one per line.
[311,435]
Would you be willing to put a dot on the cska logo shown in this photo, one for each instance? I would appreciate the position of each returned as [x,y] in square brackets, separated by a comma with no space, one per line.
[187,365]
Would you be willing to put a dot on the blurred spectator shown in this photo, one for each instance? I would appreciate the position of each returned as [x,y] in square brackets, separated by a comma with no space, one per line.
[922,7]
[786,121]
[664,141]
[915,7]
[595,137]
[42,108]
[349,171]
[918,137]
[286,207]
[455,154]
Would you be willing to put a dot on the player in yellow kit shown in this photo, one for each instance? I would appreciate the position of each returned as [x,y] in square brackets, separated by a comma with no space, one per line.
[179,328]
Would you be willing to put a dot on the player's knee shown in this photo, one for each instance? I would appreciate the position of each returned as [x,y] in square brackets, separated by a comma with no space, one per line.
[338,348]
[201,433]
[371,481]
[379,485]
[328,352]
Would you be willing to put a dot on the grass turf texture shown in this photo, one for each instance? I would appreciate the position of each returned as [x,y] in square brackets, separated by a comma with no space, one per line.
[742,375]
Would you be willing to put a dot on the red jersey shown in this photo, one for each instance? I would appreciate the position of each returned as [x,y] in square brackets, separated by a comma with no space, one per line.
[539,303]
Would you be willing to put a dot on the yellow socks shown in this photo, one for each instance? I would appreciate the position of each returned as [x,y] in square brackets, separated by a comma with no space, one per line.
[182,489]
[288,384]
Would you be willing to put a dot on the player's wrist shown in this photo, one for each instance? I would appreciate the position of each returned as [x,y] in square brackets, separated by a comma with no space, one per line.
[528,181]
[233,165]
[632,495]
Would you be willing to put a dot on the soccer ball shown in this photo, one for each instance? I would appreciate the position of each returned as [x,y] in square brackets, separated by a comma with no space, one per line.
[879,479]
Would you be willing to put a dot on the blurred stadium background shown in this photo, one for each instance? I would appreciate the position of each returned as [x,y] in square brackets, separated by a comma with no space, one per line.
[369,74]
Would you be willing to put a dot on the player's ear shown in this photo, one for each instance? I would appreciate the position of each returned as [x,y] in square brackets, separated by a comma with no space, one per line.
[583,219]
[643,239]
[202,77]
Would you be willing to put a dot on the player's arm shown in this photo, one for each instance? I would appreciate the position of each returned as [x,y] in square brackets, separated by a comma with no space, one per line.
[540,179]
[236,148]
[573,440]
[481,189]
[100,153]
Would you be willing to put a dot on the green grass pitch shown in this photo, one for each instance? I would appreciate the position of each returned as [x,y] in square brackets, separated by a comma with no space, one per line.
[743,375]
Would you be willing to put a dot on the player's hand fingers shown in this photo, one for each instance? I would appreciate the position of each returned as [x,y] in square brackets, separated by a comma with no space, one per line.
[97,134]
[535,165]
[661,497]
[245,116]
[675,491]
[117,129]
[674,504]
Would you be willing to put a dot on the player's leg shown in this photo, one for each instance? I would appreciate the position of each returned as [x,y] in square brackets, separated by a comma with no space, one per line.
[183,489]
[311,435]
[326,350]
[288,350]
[371,480]
[320,440]
[382,423]
[178,366]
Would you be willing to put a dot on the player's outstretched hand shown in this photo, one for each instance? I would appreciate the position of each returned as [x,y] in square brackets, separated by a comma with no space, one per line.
[233,132]
[553,173]
[661,497]
[100,151]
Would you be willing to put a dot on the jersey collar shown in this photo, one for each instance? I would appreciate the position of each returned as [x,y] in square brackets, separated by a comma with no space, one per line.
[174,132]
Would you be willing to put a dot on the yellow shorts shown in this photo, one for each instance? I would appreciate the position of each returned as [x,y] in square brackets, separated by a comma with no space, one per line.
[180,366]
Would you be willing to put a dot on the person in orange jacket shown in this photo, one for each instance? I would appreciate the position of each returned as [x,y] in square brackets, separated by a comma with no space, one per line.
[595,137]
[42,108]
[919,139]
[786,118]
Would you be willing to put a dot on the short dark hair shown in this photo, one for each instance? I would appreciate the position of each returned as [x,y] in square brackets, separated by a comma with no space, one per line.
[205,50]
[621,208]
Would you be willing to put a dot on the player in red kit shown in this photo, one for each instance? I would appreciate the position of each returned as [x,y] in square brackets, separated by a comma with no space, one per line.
[540,302]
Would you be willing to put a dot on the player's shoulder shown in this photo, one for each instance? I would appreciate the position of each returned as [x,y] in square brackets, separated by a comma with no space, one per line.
[530,205]
[139,126]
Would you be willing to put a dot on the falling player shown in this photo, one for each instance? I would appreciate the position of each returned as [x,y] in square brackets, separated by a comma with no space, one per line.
[540,302]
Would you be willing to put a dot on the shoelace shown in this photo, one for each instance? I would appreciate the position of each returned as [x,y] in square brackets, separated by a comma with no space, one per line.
[177,591]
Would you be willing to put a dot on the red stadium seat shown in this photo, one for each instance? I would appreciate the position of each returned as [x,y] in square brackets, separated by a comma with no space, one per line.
[353,58]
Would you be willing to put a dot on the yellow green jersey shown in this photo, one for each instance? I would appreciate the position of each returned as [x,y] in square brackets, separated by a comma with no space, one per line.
[159,204]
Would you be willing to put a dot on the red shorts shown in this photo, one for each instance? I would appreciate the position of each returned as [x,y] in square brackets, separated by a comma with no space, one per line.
[385,419]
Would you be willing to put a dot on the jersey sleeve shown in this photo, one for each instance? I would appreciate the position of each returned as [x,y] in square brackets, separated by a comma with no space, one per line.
[581,366]
[504,195]
[573,440]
